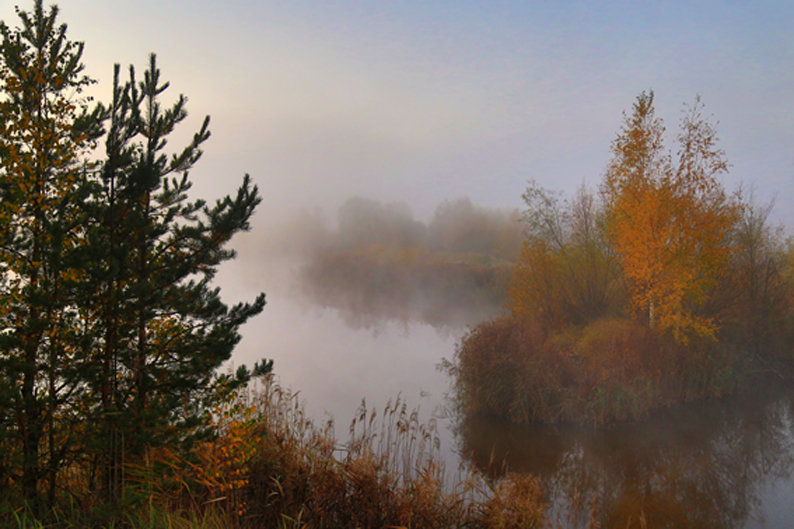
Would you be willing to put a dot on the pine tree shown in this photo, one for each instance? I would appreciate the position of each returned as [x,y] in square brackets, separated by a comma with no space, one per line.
[161,329]
[111,333]
[45,130]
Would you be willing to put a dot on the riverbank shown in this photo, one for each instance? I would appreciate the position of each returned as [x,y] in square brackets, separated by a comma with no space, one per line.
[703,465]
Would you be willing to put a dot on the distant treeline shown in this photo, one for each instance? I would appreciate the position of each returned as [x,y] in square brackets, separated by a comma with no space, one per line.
[377,284]
[457,226]
[380,262]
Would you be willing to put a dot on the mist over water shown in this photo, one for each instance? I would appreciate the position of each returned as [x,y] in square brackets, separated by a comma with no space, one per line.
[338,358]
[343,329]
[340,340]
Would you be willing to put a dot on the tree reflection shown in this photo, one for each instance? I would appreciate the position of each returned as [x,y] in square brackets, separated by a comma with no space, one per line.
[699,466]
[389,285]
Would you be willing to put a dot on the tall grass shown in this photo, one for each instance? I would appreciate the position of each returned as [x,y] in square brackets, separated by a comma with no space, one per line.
[388,474]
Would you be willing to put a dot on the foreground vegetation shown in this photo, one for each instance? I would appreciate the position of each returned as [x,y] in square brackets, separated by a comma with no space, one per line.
[271,467]
[659,290]
[111,332]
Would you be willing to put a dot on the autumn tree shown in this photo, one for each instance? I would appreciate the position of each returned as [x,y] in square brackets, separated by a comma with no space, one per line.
[669,223]
[45,132]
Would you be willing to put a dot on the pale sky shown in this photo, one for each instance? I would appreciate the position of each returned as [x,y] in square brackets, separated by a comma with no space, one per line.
[422,101]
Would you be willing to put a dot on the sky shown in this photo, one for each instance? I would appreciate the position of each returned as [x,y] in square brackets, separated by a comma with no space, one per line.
[423,101]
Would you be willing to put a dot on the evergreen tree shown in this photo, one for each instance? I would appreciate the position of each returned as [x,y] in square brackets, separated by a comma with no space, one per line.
[161,331]
[45,130]
[111,333]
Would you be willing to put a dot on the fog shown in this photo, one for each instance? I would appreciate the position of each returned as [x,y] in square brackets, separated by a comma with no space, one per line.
[376,261]
[365,303]
[456,225]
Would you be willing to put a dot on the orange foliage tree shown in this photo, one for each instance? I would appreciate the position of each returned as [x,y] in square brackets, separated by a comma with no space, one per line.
[669,223]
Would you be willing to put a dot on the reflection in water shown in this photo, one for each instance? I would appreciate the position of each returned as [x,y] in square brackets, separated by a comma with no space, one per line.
[333,364]
[710,465]
[446,295]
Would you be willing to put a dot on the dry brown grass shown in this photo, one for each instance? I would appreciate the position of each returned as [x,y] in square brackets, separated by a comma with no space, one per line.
[271,466]
[517,502]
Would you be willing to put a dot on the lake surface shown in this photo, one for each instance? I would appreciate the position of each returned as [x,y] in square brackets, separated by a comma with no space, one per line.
[723,465]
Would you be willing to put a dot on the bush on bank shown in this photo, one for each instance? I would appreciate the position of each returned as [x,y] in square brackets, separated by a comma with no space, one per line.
[611,369]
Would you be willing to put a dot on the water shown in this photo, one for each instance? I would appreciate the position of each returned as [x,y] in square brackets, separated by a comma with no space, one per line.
[338,358]
[723,465]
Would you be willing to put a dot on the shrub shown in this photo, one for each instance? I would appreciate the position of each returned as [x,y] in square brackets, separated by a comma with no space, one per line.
[507,367]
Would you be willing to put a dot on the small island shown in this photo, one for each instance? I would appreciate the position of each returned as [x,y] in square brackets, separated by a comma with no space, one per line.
[658,289]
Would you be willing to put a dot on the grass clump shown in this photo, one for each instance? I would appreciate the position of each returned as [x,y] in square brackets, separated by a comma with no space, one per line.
[388,474]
